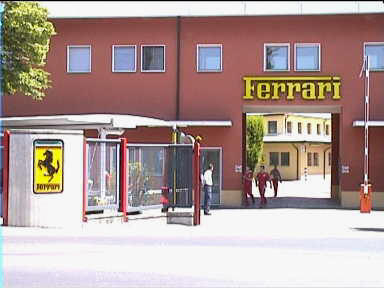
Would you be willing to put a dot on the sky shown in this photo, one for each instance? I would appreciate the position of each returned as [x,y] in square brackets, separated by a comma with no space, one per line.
[62,9]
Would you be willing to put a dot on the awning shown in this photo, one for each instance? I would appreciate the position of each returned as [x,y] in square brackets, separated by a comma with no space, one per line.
[297,139]
[99,121]
[360,123]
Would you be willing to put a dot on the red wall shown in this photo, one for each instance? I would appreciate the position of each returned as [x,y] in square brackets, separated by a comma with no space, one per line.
[215,96]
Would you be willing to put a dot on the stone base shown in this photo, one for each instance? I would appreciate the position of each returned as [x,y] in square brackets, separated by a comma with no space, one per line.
[184,218]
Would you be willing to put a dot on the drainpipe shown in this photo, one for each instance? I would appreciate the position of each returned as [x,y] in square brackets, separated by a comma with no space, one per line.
[297,161]
[324,159]
[178,68]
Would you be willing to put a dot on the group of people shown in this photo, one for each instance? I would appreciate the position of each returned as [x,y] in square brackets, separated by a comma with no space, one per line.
[261,179]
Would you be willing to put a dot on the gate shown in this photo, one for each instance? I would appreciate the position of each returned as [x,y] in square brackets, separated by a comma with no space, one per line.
[153,169]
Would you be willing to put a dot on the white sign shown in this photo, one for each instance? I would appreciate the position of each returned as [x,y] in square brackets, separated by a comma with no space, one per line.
[344,169]
[238,168]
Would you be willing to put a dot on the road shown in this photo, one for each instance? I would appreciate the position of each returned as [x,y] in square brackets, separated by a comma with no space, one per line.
[231,248]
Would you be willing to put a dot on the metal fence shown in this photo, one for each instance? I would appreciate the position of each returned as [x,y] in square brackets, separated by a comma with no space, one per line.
[153,169]
[103,174]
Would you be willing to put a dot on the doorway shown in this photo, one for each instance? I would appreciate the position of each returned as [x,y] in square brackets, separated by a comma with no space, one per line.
[212,155]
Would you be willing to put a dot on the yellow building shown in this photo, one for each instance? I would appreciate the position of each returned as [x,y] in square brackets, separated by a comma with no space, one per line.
[298,144]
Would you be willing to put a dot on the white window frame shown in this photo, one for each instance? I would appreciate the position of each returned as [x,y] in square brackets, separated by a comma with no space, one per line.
[113,59]
[307,45]
[142,58]
[90,58]
[288,56]
[205,46]
[373,44]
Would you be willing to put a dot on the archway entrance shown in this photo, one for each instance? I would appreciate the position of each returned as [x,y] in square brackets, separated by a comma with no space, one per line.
[303,142]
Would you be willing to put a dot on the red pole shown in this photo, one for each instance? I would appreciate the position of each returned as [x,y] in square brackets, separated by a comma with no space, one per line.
[85,179]
[5,176]
[196,214]
[123,177]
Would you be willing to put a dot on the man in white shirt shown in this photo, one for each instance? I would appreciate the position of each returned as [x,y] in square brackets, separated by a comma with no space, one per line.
[208,183]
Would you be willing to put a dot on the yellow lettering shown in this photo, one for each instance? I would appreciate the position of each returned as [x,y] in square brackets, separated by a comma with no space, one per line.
[291,88]
[276,93]
[249,88]
[308,92]
[263,91]
[323,88]
[336,91]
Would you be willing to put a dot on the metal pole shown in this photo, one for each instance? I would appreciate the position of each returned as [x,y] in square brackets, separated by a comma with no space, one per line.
[366,120]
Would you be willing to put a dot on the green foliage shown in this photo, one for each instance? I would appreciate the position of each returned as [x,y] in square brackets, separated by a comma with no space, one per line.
[26,38]
[254,138]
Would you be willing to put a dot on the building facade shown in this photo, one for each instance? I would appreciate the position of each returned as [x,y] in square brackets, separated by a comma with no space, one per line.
[298,144]
[200,69]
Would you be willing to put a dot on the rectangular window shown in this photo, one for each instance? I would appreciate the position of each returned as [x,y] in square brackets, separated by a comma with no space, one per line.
[273,158]
[327,129]
[309,128]
[272,127]
[153,161]
[276,57]
[153,58]
[318,129]
[289,127]
[209,58]
[315,159]
[79,59]
[284,158]
[123,58]
[309,159]
[375,52]
[299,128]
[307,57]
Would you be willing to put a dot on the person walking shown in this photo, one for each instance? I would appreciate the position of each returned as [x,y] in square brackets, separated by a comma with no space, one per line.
[275,178]
[247,185]
[261,181]
[208,183]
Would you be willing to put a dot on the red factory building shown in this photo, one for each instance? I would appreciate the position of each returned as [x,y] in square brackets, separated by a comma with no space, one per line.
[204,74]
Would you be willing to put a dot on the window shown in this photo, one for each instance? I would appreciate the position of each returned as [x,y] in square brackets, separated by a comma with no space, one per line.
[123,58]
[329,159]
[309,159]
[284,158]
[153,58]
[273,158]
[327,129]
[318,129]
[79,59]
[153,161]
[299,129]
[209,58]
[307,57]
[272,127]
[289,127]
[276,57]
[309,128]
[375,52]
[315,159]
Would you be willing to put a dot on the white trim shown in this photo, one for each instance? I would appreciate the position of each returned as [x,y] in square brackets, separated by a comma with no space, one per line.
[288,57]
[90,58]
[373,44]
[360,123]
[142,59]
[205,46]
[307,45]
[113,59]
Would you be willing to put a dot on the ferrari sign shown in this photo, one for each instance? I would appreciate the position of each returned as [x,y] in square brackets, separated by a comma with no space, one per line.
[48,166]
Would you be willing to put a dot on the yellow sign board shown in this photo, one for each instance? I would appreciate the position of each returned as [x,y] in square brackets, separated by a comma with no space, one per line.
[307,88]
[48,166]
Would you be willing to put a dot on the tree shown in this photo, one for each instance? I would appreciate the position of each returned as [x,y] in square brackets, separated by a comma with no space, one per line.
[26,38]
[254,140]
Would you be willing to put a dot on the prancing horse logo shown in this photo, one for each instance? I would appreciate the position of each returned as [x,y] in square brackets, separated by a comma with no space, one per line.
[47,163]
